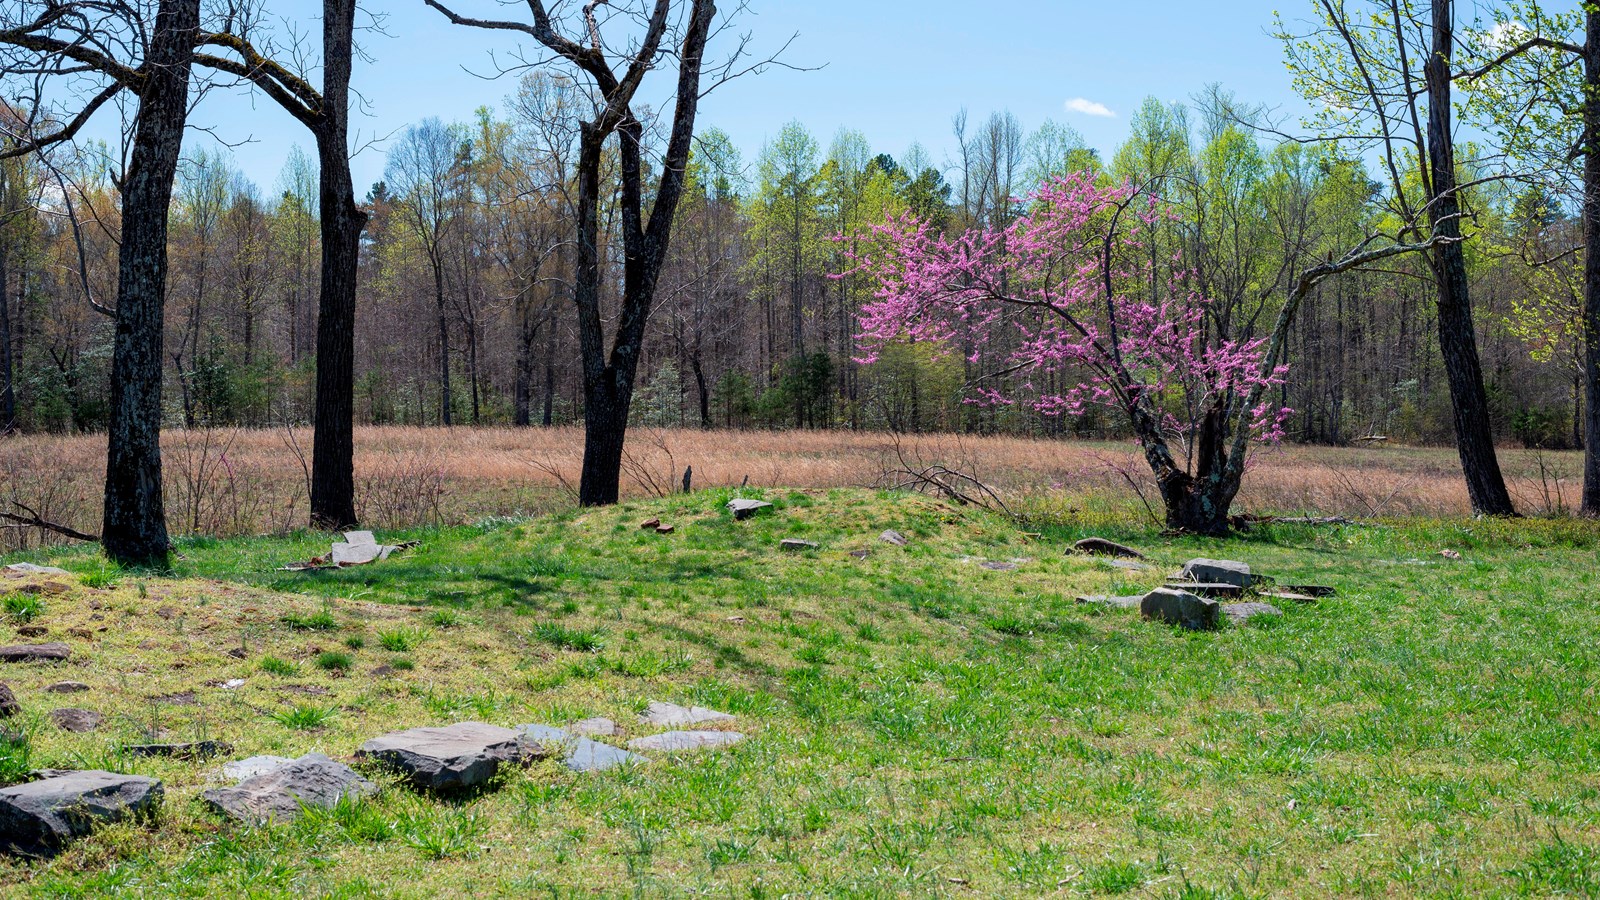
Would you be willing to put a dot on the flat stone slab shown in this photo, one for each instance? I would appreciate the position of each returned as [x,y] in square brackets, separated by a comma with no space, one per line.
[67,687]
[1131,565]
[195,750]
[1240,613]
[250,767]
[1207,588]
[39,818]
[444,760]
[685,741]
[1291,596]
[1095,546]
[31,569]
[283,792]
[744,509]
[1225,571]
[80,721]
[894,537]
[8,702]
[35,653]
[1113,602]
[1181,608]
[794,545]
[671,715]
[579,754]
[995,565]
[1310,590]
[596,727]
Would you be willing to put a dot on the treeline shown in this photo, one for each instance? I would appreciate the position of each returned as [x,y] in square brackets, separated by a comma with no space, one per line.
[466,278]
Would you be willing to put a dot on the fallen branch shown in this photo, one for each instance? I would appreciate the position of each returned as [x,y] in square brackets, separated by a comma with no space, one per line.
[33,520]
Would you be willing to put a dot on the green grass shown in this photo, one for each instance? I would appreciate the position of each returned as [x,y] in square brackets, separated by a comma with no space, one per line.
[402,639]
[918,726]
[321,620]
[335,661]
[21,609]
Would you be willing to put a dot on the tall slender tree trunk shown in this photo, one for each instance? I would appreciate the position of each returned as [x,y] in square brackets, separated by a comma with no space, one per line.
[1591,263]
[522,395]
[333,445]
[443,323]
[1458,342]
[8,393]
[135,528]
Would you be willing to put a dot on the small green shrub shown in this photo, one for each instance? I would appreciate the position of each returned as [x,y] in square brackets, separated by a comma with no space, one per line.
[272,665]
[581,640]
[23,608]
[335,661]
[403,639]
[305,718]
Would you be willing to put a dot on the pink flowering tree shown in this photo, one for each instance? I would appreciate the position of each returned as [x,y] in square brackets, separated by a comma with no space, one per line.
[1066,291]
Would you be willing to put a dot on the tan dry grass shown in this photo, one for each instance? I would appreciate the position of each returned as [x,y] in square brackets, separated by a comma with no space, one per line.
[239,482]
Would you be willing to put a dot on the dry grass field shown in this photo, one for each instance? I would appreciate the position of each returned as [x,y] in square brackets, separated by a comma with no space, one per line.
[230,482]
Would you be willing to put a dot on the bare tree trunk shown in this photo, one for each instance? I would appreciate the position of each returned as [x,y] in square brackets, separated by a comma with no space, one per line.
[1591,263]
[135,529]
[8,394]
[444,343]
[333,446]
[1458,341]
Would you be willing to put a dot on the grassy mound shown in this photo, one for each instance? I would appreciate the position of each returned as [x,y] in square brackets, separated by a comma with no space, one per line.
[918,723]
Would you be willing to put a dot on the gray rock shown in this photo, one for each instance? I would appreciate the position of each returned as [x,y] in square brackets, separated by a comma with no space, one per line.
[241,769]
[744,509]
[795,544]
[8,702]
[196,750]
[671,715]
[443,760]
[998,566]
[1113,602]
[35,653]
[596,727]
[39,818]
[67,687]
[281,793]
[577,753]
[1181,608]
[31,569]
[1207,588]
[1101,547]
[1311,590]
[1131,565]
[1225,571]
[1291,596]
[685,741]
[80,721]
[894,537]
[1240,613]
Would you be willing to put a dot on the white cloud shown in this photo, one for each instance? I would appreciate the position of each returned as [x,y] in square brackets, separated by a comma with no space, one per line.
[1090,108]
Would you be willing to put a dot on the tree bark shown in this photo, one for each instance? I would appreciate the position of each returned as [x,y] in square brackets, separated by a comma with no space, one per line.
[8,394]
[1458,343]
[343,220]
[135,529]
[1591,263]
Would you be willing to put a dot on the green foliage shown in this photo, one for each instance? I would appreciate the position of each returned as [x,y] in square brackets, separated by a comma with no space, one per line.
[321,620]
[576,639]
[22,608]
[305,717]
[335,661]
[402,639]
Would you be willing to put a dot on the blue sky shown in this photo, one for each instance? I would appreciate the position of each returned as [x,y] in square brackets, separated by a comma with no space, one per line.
[897,70]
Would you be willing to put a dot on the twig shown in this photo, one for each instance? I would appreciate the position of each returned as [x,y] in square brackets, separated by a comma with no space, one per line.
[32,520]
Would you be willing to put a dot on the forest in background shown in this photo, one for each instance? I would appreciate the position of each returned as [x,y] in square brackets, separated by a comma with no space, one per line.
[466,267]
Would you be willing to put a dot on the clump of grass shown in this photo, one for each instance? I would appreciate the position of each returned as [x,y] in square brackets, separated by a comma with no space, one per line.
[16,755]
[99,580]
[1011,624]
[305,718]
[441,832]
[321,620]
[403,639]
[402,664]
[335,661]
[355,642]
[23,608]
[581,640]
[444,618]
[1114,877]
[273,665]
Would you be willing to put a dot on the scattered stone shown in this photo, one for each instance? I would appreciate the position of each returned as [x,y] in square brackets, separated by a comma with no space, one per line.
[383,671]
[793,545]
[32,631]
[31,569]
[8,702]
[78,721]
[1113,602]
[665,529]
[1101,547]
[744,509]
[1450,554]
[67,687]
[35,653]
[577,753]
[239,653]
[182,698]
[1241,613]
[737,620]
[684,741]
[1131,565]
[1177,607]
[280,793]
[53,588]
[1224,571]
[1207,588]
[250,767]
[39,818]
[1291,596]
[196,750]
[860,554]
[82,634]
[998,566]
[233,684]
[596,727]
[671,715]
[454,758]
[894,537]
[1311,590]
[648,524]
[167,613]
